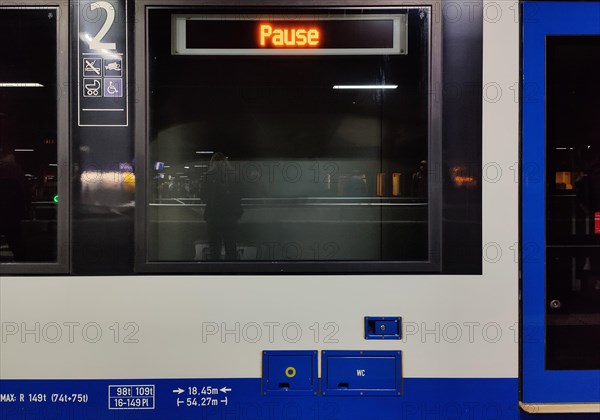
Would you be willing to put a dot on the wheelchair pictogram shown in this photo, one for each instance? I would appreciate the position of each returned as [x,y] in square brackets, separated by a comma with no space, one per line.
[113,87]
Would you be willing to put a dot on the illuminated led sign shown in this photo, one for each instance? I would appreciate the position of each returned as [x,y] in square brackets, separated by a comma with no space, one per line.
[280,37]
[293,35]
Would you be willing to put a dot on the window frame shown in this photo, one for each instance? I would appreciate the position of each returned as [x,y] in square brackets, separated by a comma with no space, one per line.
[142,123]
[63,257]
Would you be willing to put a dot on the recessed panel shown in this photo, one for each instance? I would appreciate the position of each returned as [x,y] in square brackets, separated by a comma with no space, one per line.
[383,328]
[289,372]
[362,372]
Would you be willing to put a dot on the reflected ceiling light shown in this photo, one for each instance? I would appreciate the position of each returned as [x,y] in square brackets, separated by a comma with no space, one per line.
[24,150]
[186,167]
[204,152]
[108,54]
[21,85]
[561,148]
[52,164]
[365,86]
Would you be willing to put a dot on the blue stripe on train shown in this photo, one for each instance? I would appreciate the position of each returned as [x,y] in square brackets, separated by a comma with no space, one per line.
[241,399]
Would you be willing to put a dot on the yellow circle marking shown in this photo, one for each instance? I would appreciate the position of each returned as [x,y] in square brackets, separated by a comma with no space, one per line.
[290,372]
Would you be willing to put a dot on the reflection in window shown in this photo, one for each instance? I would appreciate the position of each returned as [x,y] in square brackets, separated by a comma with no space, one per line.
[28,149]
[259,158]
[573,203]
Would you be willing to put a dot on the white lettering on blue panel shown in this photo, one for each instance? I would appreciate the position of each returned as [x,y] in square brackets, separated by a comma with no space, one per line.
[131,397]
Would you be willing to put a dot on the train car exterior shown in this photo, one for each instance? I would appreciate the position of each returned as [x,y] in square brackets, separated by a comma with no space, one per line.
[348,209]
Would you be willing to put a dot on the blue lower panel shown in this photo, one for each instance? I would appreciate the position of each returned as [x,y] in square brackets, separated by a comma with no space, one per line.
[240,399]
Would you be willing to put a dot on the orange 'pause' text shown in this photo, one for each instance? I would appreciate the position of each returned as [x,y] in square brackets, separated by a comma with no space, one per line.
[270,36]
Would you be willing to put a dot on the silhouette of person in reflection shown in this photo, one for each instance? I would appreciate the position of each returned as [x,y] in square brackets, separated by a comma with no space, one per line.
[13,201]
[595,181]
[355,186]
[419,180]
[595,211]
[220,193]
[587,188]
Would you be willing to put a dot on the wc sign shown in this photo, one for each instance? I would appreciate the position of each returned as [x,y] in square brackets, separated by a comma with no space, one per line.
[361,372]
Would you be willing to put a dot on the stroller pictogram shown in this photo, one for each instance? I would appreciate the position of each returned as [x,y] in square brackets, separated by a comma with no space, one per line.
[92,89]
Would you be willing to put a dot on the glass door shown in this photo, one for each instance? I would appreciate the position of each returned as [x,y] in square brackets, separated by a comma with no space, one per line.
[561,204]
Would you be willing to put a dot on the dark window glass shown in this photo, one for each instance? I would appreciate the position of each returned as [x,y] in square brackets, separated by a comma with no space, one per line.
[573,203]
[28,143]
[260,158]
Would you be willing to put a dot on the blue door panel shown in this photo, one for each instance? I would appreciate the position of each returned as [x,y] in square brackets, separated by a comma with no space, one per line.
[540,19]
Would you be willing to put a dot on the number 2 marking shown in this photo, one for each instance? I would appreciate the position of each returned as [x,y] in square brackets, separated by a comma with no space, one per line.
[96,42]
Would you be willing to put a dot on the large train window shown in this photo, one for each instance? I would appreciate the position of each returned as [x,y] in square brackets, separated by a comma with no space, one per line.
[33,194]
[292,139]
